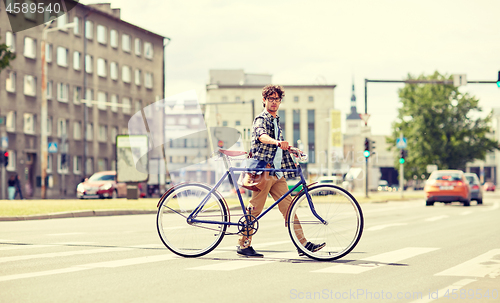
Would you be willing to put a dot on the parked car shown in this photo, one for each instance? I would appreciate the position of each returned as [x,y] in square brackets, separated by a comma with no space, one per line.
[489,186]
[101,185]
[447,186]
[476,190]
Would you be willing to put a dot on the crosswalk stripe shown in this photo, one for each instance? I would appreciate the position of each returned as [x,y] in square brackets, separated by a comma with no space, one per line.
[383,226]
[376,261]
[485,265]
[23,246]
[239,264]
[63,254]
[106,264]
[431,219]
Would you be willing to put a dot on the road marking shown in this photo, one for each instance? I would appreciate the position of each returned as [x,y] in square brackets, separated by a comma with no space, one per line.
[23,246]
[466,212]
[107,264]
[258,246]
[249,262]
[496,205]
[485,265]
[377,260]
[379,227]
[434,295]
[66,234]
[436,218]
[63,254]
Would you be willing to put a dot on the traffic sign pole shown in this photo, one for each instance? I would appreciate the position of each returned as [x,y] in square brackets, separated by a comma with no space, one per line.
[3,186]
[401,171]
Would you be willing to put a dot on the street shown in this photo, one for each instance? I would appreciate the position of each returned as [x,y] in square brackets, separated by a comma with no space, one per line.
[408,253]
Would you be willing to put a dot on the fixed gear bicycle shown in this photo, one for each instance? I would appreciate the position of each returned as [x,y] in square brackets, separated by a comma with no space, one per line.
[193,217]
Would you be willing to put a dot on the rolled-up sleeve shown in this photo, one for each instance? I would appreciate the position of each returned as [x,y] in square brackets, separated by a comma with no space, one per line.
[259,127]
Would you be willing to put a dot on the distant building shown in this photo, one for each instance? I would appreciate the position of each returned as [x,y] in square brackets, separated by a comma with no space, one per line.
[234,98]
[121,69]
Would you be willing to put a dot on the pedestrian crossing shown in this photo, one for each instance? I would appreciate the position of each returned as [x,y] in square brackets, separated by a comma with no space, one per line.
[484,265]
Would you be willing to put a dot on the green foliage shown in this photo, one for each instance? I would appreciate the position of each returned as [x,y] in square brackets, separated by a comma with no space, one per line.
[442,127]
[5,56]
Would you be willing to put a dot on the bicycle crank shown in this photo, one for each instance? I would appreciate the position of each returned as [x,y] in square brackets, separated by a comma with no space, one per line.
[244,226]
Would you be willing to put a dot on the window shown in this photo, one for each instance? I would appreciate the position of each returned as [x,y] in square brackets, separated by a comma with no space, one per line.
[224,123]
[113,38]
[48,91]
[137,43]
[10,82]
[101,67]
[29,123]
[48,52]
[12,160]
[62,128]
[62,168]
[126,74]
[89,166]
[113,70]
[49,163]
[89,96]
[148,50]
[89,29]
[77,130]
[76,60]
[281,114]
[49,125]
[102,36]
[295,98]
[311,98]
[90,132]
[103,133]
[76,28]
[10,121]
[114,133]
[77,165]
[137,77]
[126,43]
[29,85]
[311,135]
[29,47]
[10,41]
[62,92]
[296,126]
[30,14]
[237,123]
[102,98]
[138,106]
[114,102]
[126,105]
[62,21]
[62,56]
[77,94]
[88,64]
[102,164]
[148,80]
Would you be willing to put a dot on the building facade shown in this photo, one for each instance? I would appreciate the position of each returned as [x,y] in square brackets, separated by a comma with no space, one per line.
[99,73]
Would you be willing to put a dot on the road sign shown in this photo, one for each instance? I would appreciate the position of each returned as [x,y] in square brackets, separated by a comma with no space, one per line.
[4,142]
[364,117]
[52,148]
[401,143]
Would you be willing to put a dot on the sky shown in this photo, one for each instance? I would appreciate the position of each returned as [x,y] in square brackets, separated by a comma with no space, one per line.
[328,42]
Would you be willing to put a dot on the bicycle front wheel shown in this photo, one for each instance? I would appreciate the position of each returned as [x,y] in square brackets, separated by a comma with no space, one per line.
[342,226]
[191,239]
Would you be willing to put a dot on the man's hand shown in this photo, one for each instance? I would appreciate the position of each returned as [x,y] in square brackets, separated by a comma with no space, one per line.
[283,145]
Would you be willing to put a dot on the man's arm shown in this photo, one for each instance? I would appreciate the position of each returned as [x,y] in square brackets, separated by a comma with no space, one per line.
[266,139]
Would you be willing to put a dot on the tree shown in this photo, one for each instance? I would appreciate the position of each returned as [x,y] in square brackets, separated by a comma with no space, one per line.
[5,56]
[442,126]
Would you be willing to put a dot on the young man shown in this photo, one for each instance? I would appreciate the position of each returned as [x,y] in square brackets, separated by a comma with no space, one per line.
[268,145]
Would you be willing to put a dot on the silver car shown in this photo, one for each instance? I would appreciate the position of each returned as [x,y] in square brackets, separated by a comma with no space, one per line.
[476,190]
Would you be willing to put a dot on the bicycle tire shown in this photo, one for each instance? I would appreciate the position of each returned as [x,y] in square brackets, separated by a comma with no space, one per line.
[343,216]
[182,238]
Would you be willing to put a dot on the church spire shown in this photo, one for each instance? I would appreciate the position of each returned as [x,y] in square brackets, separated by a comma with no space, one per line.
[354,113]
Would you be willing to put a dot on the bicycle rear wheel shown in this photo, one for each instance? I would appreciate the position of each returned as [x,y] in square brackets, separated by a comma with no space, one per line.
[342,229]
[191,239]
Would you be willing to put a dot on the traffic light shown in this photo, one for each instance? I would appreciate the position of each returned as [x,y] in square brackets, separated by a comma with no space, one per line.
[6,158]
[498,81]
[372,147]
[402,156]
[366,153]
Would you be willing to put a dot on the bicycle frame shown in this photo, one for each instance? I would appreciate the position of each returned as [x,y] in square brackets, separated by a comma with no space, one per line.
[230,173]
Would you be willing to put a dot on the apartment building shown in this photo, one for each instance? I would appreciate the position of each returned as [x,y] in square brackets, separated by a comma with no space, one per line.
[114,65]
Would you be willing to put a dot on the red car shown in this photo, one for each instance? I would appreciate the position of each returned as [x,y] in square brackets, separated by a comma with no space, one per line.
[447,186]
[101,185]
[489,186]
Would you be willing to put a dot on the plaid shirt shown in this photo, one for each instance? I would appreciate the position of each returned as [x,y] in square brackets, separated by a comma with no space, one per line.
[263,124]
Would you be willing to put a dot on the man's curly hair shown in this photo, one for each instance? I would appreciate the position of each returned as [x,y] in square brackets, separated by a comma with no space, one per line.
[268,90]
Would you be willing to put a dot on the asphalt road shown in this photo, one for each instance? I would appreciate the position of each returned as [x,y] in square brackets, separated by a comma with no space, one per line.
[408,253]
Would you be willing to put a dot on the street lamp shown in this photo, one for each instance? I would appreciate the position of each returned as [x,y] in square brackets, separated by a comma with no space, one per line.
[43,131]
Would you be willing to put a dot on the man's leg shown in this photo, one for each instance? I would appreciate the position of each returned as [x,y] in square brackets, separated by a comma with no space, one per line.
[279,189]
[255,207]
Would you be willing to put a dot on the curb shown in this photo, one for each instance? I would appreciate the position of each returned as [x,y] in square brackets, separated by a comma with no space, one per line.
[80,214]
